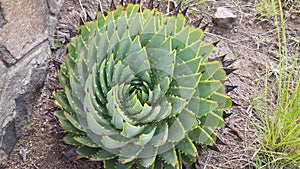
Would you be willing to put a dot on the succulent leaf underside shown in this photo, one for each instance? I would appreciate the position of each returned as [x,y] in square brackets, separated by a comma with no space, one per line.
[138,90]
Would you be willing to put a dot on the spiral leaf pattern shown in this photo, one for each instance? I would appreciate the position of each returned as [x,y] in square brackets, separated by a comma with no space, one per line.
[138,90]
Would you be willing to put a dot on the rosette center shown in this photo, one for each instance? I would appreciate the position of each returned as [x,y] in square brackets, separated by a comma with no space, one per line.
[139,88]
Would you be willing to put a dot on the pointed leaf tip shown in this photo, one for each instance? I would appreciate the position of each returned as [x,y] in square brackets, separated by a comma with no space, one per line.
[229,88]
[221,58]
[81,21]
[100,9]
[225,115]
[150,4]
[66,41]
[122,2]
[185,11]
[89,18]
[112,5]
[228,62]
[204,27]
[157,6]
[197,23]
[133,2]
[220,142]
[176,9]
[235,104]
[229,70]
[72,34]
[215,43]
[214,147]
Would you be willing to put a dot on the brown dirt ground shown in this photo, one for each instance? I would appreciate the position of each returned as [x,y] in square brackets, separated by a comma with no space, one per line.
[252,42]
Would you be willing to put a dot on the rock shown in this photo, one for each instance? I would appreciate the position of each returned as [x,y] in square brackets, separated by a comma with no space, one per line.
[52,28]
[25,28]
[7,58]
[54,6]
[224,18]
[2,19]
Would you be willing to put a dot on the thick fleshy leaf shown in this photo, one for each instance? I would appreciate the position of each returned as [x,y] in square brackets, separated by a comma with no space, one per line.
[138,89]
[187,147]
[170,157]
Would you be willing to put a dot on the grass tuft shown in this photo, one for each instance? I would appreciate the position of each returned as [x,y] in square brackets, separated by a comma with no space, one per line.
[279,130]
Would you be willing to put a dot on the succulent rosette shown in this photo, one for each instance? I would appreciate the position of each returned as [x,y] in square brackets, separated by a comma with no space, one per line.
[138,90]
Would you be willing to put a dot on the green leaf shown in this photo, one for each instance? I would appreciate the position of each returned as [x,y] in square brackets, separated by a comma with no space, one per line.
[148,155]
[176,131]
[185,55]
[200,136]
[180,39]
[149,30]
[146,137]
[96,128]
[118,12]
[136,26]
[111,164]
[180,22]
[129,152]
[187,147]
[138,61]
[103,80]
[62,101]
[190,80]
[60,114]
[73,119]
[113,42]
[101,20]
[207,88]
[69,139]
[102,47]
[103,155]
[161,135]
[220,74]
[171,26]
[205,50]
[187,119]
[86,141]
[195,35]
[86,151]
[85,32]
[157,39]
[110,24]
[124,45]
[112,143]
[170,157]
[212,120]
[132,9]
[201,106]
[130,130]
[121,26]
[148,162]
[223,100]
[209,69]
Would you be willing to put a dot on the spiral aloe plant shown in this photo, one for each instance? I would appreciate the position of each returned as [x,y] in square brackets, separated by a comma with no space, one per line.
[138,90]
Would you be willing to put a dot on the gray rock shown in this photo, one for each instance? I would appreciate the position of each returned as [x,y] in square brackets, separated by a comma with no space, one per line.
[7,58]
[224,18]
[54,6]
[24,55]
[19,92]
[26,26]
[52,28]
[2,19]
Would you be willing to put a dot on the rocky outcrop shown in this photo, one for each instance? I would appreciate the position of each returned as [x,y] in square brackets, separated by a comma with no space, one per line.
[26,28]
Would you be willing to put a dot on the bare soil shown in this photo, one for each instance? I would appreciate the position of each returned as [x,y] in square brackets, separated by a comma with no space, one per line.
[251,41]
